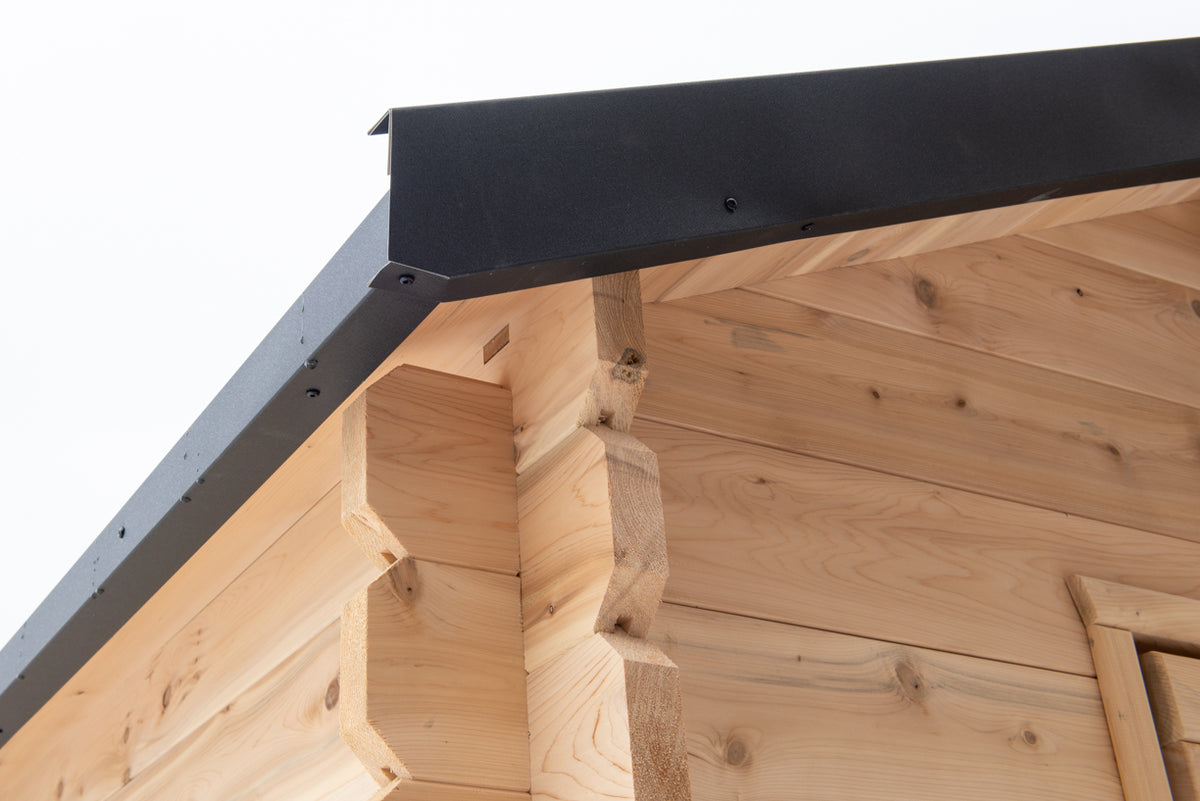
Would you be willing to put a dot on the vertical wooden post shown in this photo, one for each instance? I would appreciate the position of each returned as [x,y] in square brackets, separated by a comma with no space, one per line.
[605,712]
[436,650]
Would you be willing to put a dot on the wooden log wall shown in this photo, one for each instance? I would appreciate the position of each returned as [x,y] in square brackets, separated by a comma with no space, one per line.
[476,664]
[879,457]
[875,480]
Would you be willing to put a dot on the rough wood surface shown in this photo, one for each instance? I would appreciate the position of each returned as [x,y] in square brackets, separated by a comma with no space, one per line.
[1127,710]
[764,370]
[1173,685]
[775,535]
[427,471]
[729,270]
[1158,619]
[433,684]
[778,711]
[1029,301]
[1183,770]
[275,741]
[593,550]
[410,790]
[605,722]
[620,372]
[1161,242]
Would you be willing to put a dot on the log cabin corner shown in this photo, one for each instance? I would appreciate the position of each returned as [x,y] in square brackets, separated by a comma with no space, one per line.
[832,435]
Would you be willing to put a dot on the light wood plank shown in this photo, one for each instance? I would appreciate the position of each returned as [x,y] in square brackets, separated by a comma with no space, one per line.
[593,550]
[1183,770]
[77,739]
[1128,713]
[1161,242]
[1028,301]
[776,535]
[1173,685]
[1157,619]
[799,257]
[605,722]
[428,472]
[285,597]
[777,711]
[410,790]
[360,787]
[276,740]
[433,681]
[767,371]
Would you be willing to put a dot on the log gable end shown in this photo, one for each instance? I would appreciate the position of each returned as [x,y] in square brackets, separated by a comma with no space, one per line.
[793,518]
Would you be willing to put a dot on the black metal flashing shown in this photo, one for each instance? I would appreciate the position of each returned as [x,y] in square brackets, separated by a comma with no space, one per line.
[327,343]
[501,195]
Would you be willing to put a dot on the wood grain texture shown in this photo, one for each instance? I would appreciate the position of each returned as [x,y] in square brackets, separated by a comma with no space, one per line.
[427,471]
[410,790]
[1160,242]
[775,535]
[576,355]
[799,257]
[267,613]
[89,712]
[778,711]
[1183,770]
[1127,710]
[433,683]
[360,787]
[620,373]
[763,370]
[593,550]
[77,739]
[1173,685]
[1157,619]
[1029,301]
[605,722]
[277,740]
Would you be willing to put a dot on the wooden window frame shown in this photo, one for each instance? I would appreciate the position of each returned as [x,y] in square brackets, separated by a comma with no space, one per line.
[1120,620]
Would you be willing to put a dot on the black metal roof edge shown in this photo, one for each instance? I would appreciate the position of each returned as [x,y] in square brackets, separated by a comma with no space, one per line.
[500,195]
[323,348]
[497,195]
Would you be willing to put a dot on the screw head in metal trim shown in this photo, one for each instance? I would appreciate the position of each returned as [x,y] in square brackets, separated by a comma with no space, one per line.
[312,392]
[731,204]
[311,364]
[407,278]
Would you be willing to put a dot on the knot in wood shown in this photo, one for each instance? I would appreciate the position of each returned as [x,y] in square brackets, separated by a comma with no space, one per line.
[403,579]
[912,684]
[331,694]
[926,293]
[736,753]
[629,368]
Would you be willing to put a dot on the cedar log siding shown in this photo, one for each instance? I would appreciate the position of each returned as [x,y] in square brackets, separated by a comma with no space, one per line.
[879,457]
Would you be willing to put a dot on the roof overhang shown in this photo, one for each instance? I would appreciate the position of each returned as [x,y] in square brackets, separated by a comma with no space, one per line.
[503,195]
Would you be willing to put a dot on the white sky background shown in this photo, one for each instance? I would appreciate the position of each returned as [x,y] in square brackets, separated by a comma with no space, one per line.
[172,175]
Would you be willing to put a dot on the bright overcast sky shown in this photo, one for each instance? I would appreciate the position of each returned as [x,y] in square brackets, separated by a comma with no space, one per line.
[172,175]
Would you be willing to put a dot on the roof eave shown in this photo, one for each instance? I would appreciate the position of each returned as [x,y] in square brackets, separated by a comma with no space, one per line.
[502,195]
